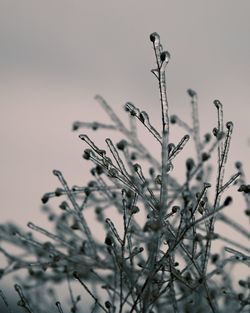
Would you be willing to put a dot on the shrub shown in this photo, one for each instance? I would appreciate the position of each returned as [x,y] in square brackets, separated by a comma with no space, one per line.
[159,259]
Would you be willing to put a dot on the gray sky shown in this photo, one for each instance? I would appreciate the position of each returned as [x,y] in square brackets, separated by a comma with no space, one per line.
[55,55]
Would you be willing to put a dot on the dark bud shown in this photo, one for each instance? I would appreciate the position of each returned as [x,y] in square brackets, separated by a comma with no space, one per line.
[199,176]
[205,156]
[228,201]
[63,205]
[87,191]
[158,180]
[1,272]
[173,119]
[244,188]
[238,165]
[154,37]
[133,156]
[75,126]
[75,226]
[190,164]
[45,198]
[165,56]
[134,209]
[215,132]
[121,145]
[175,208]
[78,298]
[229,125]
[171,147]
[217,103]
[99,169]
[87,154]
[207,137]
[241,296]
[58,192]
[141,118]
[98,210]
[108,241]
[95,126]
[191,93]
[247,212]
[129,194]
[242,283]
[198,237]
[51,217]
[136,167]
[92,183]
[76,275]
[151,171]
[215,258]
[107,304]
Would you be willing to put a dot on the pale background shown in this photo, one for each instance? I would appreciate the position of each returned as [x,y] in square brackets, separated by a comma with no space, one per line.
[55,55]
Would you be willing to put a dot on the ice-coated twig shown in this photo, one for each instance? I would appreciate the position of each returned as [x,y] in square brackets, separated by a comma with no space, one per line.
[114,230]
[23,302]
[178,148]
[81,218]
[239,255]
[143,117]
[5,301]
[119,124]
[230,182]
[93,125]
[196,124]
[117,157]
[59,307]
[76,276]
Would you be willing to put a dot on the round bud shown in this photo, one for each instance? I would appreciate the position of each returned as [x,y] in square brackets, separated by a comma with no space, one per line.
[215,132]
[58,192]
[87,154]
[121,145]
[173,119]
[134,209]
[45,198]
[205,156]
[107,304]
[75,126]
[229,125]
[99,169]
[63,206]
[155,38]
[228,201]
[238,165]
[191,93]
[207,137]
[190,164]
[242,283]
[247,212]
[57,173]
[175,208]
[151,171]
[217,103]
[215,257]
[165,56]
[108,241]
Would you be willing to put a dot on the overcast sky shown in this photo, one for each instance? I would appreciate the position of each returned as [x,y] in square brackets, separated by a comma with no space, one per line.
[55,55]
